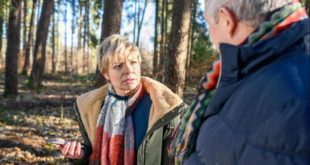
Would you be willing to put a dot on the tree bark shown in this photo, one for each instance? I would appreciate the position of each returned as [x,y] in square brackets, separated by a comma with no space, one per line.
[178,45]
[140,22]
[26,66]
[111,24]
[39,53]
[65,47]
[1,33]
[72,34]
[24,27]
[13,41]
[111,18]
[155,57]
[54,42]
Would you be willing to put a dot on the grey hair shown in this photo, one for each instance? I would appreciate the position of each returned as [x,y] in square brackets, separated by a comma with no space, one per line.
[112,46]
[251,11]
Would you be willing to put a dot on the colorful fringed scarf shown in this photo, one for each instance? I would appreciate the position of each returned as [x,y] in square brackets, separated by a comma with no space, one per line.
[114,136]
[184,137]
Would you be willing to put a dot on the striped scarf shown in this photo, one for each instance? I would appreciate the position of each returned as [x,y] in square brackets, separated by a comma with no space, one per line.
[114,136]
[185,134]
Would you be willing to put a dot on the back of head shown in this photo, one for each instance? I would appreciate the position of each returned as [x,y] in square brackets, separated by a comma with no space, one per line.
[251,11]
[112,46]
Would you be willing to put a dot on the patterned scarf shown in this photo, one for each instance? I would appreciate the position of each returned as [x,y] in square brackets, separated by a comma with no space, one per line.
[185,134]
[114,136]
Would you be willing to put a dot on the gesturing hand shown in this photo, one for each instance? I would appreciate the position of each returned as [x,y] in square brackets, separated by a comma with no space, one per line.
[72,149]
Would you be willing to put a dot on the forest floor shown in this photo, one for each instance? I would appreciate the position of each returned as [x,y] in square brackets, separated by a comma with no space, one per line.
[36,115]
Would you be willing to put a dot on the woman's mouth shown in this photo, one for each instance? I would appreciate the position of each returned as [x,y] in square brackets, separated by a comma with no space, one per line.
[129,80]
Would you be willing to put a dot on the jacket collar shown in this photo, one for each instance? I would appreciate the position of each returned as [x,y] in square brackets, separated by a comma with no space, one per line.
[238,61]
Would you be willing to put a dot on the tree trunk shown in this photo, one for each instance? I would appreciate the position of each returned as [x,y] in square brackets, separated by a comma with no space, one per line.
[26,66]
[25,26]
[140,22]
[111,25]
[66,55]
[155,57]
[13,41]
[39,53]
[135,19]
[80,24]
[1,33]
[86,34]
[190,38]
[178,45]
[111,18]
[54,42]
[163,41]
[72,34]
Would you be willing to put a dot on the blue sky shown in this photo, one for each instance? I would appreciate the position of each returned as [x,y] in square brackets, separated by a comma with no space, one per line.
[147,31]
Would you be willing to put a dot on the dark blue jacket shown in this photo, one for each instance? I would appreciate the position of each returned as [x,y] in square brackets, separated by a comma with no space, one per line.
[260,113]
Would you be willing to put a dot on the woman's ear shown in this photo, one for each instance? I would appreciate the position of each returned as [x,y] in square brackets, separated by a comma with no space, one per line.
[228,20]
[106,76]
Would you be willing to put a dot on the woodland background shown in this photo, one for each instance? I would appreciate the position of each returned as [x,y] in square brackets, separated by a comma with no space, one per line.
[48,58]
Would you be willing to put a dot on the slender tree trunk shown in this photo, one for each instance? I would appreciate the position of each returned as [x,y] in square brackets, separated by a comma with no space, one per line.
[112,23]
[155,57]
[190,38]
[80,20]
[66,55]
[86,34]
[84,37]
[57,40]
[24,29]
[54,42]
[163,33]
[26,66]
[13,41]
[39,53]
[135,18]
[141,22]
[1,33]
[72,34]
[178,45]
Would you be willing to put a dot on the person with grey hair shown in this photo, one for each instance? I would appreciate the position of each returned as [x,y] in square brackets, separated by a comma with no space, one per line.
[129,120]
[253,105]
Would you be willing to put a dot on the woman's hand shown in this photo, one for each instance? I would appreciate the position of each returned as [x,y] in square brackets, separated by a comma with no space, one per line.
[72,149]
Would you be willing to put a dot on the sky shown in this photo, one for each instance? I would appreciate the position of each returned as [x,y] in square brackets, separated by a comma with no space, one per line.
[147,30]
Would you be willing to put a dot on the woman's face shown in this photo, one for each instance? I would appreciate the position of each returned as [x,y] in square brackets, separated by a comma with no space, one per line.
[124,73]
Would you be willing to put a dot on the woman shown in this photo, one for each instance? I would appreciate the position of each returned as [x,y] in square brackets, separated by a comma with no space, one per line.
[128,120]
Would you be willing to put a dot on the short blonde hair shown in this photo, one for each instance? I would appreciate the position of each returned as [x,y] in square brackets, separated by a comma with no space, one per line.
[112,46]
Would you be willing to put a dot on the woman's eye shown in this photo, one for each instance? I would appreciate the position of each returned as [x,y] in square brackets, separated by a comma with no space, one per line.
[118,66]
[134,62]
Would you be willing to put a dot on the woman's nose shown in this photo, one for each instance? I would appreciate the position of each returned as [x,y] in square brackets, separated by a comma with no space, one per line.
[128,67]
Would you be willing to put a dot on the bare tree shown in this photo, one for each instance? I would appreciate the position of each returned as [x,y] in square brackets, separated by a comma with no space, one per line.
[39,53]
[13,37]
[178,45]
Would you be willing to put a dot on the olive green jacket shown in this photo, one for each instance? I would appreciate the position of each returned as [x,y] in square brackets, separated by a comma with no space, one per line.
[164,116]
